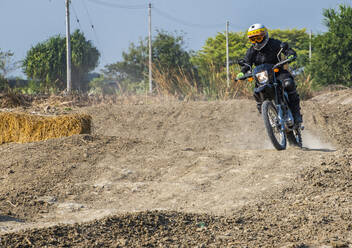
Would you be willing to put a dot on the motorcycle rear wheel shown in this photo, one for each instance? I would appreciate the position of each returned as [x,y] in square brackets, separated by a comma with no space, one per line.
[272,125]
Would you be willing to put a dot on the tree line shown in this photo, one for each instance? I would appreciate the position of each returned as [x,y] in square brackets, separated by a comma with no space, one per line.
[183,72]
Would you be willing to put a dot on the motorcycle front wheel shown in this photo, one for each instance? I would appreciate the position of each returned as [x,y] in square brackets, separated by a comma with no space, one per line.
[272,125]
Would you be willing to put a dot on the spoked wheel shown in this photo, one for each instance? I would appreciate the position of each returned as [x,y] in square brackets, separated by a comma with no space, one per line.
[295,138]
[272,125]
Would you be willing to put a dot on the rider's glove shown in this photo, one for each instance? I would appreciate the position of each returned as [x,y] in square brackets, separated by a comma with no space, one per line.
[291,57]
[239,75]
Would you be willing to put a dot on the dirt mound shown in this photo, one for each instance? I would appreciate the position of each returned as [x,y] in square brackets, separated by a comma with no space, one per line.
[43,173]
[343,97]
[172,173]
[331,113]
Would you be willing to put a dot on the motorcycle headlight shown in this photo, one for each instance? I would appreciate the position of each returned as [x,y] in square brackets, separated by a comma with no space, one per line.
[262,77]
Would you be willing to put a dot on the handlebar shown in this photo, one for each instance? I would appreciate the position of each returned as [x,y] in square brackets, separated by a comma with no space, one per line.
[249,74]
[283,62]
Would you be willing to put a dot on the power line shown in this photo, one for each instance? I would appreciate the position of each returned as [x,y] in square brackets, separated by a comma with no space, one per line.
[93,28]
[119,6]
[74,11]
[89,19]
[160,12]
[194,25]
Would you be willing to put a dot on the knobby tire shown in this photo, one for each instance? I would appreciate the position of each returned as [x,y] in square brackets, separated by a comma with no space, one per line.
[267,108]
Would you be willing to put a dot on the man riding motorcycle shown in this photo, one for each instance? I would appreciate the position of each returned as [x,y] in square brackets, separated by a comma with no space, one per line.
[264,50]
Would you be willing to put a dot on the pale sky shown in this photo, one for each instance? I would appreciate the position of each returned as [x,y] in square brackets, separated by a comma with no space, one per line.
[117,23]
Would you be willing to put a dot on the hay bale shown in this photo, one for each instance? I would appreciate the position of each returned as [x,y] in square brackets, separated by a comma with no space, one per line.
[21,128]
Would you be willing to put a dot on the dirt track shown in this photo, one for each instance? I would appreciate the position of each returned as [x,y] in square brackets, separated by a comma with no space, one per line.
[161,172]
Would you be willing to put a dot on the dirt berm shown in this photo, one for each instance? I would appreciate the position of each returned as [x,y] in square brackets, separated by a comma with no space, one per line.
[162,173]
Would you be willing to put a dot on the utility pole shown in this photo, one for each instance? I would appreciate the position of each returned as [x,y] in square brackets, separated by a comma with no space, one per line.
[227,55]
[150,49]
[68,47]
[310,46]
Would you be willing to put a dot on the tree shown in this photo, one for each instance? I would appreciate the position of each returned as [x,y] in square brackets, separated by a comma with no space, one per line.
[6,66]
[214,50]
[85,58]
[133,65]
[173,71]
[212,57]
[46,62]
[170,59]
[298,39]
[169,51]
[332,54]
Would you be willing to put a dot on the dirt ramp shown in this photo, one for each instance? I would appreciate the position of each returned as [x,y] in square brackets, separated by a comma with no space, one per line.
[211,125]
[234,124]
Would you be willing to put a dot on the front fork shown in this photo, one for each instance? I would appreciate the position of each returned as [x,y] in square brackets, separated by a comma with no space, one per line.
[280,112]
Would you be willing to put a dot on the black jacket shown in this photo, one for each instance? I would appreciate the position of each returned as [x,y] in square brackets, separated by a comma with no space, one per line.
[267,55]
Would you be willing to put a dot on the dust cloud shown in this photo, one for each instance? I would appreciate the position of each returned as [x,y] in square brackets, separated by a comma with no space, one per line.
[311,141]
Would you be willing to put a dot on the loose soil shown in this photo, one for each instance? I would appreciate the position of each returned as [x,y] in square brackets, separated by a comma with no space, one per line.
[157,172]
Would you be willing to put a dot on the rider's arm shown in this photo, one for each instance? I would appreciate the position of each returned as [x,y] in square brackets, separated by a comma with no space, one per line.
[248,60]
[289,51]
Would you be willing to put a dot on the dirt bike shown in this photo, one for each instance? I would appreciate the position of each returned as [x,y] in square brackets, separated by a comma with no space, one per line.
[278,118]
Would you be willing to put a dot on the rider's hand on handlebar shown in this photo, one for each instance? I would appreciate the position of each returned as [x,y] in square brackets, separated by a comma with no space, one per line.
[291,57]
[239,75]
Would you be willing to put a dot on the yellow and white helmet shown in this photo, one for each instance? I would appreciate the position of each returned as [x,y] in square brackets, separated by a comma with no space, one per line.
[258,35]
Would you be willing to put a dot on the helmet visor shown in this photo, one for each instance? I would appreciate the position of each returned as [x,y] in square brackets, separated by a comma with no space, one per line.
[256,39]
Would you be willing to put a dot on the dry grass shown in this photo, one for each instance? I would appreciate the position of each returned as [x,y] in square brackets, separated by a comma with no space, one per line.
[21,128]
[182,85]
[12,100]
[175,82]
[305,86]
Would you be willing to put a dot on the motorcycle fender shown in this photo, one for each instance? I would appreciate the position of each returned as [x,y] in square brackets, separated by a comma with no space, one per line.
[262,88]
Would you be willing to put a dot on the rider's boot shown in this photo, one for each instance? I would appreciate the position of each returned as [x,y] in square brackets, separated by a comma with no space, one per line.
[259,102]
[259,107]
[294,103]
